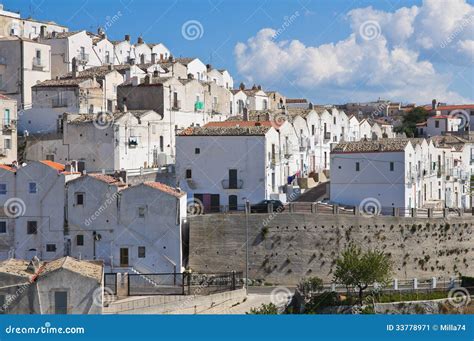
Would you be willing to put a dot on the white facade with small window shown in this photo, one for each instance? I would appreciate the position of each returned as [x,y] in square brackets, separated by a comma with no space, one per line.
[37,192]
[131,229]
[226,170]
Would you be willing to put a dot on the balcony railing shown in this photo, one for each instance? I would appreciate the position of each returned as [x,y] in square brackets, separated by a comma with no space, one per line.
[227,184]
[9,124]
[82,57]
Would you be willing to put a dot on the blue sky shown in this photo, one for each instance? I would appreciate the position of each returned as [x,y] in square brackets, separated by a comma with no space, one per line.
[318,52]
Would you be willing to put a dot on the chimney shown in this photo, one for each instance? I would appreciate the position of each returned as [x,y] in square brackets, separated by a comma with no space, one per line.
[433,104]
[127,37]
[34,265]
[43,31]
[259,87]
[209,67]
[100,32]
[190,76]
[110,66]
[147,79]
[153,58]
[139,40]
[74,67]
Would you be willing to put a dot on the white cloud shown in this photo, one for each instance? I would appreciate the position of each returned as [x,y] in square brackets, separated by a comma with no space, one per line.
[387,58]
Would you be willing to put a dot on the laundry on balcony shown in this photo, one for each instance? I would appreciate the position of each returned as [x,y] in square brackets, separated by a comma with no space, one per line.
[199,105]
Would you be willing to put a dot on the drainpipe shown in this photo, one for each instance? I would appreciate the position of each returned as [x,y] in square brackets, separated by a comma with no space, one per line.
[22,75]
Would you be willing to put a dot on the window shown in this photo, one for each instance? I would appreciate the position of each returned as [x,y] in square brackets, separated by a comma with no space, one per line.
[357,166]
[6,116]
[197,150]
[60,302]
[80,240]
[7,143]
[141,252]
[392,166]
[31,227]
[3,188]
[189,174]
[141,212]
[334,119]
[162,144]
[79,198]
[50,247]
[436,124]
[3,227]
[313,130]
[32,187]
[50,157]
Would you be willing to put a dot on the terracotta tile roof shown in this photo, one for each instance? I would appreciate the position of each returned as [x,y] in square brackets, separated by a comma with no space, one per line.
[239,124]
[61,35]
[165,189]
[57,166]
[68,82]
[451,107]
[15,267]
[91,269]
[185,61]
[98,71]
[450,141]
[6,98]
[225,131]
[108,179]
[8,168]
[382,145]
[296,100]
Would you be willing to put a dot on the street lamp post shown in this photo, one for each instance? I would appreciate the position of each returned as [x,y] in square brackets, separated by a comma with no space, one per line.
[247,212]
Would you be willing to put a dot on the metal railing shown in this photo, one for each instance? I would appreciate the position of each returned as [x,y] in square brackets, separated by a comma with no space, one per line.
[58,102]
[334,209]
[182,283]
[110,282]
[237,184]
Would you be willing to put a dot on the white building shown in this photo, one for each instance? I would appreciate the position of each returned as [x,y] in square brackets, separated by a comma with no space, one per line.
[11,24]
[400,173]
[23,64]
[8,133]
[131,228]
[33,220]
[229,164]
[195,67]
[121,141]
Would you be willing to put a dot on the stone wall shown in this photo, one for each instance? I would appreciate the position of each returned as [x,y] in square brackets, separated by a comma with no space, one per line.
[296,245]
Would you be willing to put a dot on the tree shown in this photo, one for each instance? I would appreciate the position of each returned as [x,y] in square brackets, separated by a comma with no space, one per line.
[355,268]
[410,119]
[265,309]
[310,286]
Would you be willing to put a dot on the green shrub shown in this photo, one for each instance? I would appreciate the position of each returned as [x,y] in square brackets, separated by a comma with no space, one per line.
[264,309]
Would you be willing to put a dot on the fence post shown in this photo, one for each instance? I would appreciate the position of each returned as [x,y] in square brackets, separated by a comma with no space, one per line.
[395,284]
[356,210]
[445,212]
[127,276]
[182,281]
[333,287]
[313,207]
[415,283]
[413,212]
[292,207]
[233,280]
[335,209]
[433,283]
[430,213]
[189,283]
[396,211]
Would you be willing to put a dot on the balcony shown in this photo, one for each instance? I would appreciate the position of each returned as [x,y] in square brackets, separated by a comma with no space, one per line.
[58,102]
[327,136]
[82,58]
[9,125]
[237,184]
[38,63]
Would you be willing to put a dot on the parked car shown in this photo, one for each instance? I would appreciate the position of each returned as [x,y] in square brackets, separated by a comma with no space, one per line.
[262,206]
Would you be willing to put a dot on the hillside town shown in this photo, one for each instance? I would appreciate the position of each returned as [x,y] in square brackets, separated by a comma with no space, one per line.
[123,167]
